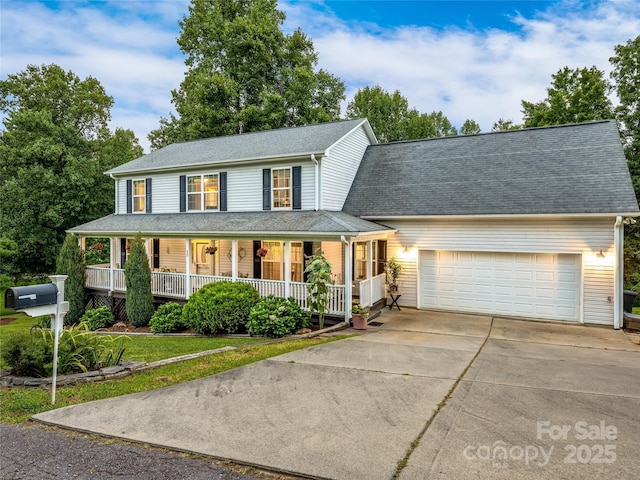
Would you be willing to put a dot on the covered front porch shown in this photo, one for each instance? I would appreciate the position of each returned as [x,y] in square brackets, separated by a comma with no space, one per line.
[266,249]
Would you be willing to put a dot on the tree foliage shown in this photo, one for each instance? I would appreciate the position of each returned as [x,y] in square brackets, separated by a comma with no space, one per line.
[470,127]
[55,147]
[391,118]
[502,125]
[574,96]
[626,75]
[71,262]
[137,274]
[244,74]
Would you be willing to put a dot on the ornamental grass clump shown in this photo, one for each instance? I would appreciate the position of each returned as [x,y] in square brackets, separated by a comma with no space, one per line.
[220,307]
[276,317]
[79,350]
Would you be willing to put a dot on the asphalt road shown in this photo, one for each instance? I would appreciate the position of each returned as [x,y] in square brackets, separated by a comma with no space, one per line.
[32,451]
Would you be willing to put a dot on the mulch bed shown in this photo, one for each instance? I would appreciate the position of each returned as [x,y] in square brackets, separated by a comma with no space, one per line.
[6,320]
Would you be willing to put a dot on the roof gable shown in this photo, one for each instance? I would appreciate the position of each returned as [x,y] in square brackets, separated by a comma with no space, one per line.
[253,146]
[568,169]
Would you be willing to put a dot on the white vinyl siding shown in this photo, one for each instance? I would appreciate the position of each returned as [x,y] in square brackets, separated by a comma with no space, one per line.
[332,251]
[173,252]
[339,168]
[569,235]
[245,257]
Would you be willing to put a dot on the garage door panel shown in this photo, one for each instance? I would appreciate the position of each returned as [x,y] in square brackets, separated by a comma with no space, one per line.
[522,284]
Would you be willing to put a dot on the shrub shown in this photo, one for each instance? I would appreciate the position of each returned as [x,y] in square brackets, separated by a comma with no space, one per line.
[220,307]
[79,350]
[71,262]
[276,317]
[27,353]
[138,280]
[168,319]
[100,317]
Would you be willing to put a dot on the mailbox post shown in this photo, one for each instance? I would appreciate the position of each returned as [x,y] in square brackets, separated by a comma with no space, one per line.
[37,300]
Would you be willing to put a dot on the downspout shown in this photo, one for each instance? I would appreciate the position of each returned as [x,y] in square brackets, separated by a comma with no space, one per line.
[347,278]
[317,173]
[618,243]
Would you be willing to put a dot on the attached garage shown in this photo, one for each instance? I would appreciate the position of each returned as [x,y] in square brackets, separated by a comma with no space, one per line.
[535,285]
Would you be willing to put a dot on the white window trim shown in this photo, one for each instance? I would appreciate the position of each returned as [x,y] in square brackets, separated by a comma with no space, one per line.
[202,192]
[273,189]
[143,196]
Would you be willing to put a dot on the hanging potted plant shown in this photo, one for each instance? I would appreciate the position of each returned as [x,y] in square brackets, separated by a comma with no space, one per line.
[359,316]
[261,252]
[211,250]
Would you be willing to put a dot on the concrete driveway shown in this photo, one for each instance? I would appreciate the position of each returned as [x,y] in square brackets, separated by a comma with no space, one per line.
[521,400]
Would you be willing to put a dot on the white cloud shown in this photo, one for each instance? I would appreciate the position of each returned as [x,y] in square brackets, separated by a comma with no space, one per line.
[130,47]
[482,75]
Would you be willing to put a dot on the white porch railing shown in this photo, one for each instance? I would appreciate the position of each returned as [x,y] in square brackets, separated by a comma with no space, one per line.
[174,285]
[372,290]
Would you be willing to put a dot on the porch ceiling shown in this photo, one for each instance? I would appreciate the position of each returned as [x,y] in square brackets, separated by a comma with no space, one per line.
[267,224]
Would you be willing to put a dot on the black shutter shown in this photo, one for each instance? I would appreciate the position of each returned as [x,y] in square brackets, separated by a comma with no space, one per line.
[307,250]
[156,253]
[183,193]
[222,187]
[129,196]
[147,191]
[296,174]
[266,189]
[257,261]
[123,252]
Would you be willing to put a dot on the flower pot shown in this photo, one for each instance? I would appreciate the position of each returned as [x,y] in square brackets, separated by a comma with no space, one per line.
[359,322]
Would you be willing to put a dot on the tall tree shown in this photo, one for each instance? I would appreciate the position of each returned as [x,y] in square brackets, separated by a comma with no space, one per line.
[391,118]
[387,112]
[470,127]
[574,96]
[244,74]
[504,124]
[55,147]
[626,75]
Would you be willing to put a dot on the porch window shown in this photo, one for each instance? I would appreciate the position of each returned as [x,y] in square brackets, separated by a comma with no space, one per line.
[281,188]
[360,260]
[202,192]
[273,262]
[139,196]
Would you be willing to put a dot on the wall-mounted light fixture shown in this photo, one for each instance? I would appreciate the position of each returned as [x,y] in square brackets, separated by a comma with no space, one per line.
[600,254]
[406,250]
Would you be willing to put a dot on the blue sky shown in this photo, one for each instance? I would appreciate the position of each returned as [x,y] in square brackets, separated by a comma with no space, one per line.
[467,58]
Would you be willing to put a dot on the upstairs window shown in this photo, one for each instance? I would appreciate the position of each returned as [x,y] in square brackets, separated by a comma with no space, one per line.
[281,188]
[139,195]
[202,192]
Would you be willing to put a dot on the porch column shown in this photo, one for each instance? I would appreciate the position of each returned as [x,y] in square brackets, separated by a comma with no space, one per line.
[370,270]
[82,242]
[346,243]
[234,259]
[287,268]
[187,282]
[112,260]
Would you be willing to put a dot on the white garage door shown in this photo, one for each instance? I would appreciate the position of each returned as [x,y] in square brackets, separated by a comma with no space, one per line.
[515,284]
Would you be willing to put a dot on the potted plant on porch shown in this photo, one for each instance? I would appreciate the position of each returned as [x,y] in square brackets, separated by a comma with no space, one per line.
[393,269]
[359,316]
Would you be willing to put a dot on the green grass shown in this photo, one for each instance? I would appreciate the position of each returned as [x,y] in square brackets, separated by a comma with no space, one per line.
[636,310]
[19,403]
[143,348]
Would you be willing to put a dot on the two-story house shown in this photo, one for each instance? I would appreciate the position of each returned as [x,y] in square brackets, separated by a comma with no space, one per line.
[525,223]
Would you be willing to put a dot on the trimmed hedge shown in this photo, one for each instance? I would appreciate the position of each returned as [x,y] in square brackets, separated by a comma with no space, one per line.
[220,307]
[277,317]
[168,319]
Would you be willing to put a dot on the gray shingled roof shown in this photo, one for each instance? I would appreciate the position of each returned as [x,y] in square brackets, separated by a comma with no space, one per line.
[287,223]
[570,169]
[268,144]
